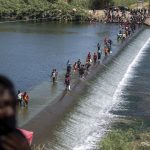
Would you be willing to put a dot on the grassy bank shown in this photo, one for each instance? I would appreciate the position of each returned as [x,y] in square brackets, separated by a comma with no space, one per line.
[57,10]
[127,135]
[41,9]
[129,3]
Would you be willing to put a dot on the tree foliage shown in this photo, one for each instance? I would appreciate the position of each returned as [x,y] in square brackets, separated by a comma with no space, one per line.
[40,9]
[58,9]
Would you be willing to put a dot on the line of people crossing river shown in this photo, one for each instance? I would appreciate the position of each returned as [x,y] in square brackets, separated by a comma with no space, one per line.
[126,30]
[82,69]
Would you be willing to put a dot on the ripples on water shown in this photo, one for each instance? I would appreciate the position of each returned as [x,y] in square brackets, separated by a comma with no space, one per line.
[90,117]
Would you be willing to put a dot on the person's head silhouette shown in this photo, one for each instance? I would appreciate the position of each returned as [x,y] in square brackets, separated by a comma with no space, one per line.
[9,134]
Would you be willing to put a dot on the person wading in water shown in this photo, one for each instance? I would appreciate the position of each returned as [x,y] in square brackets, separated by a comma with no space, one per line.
[98,46]
[67,83]
[82,71]
[106,51]
[95,58]
[99,54]
[25,99]
[54,75]
[75,67]
[88,64]
[110,42]
[69,68]
[19,98]
[89,56]
[79,64]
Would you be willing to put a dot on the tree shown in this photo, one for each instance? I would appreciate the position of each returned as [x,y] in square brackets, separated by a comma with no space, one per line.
[100,4]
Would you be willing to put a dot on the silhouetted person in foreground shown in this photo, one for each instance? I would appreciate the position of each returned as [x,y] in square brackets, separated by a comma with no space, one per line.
[10,137]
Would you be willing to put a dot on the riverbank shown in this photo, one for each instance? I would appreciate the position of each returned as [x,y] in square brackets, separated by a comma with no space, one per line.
[147,22]
[61,10]
[44,11]
[128,134]
[52,113]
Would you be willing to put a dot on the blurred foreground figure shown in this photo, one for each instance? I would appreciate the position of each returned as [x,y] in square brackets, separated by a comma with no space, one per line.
[10,137]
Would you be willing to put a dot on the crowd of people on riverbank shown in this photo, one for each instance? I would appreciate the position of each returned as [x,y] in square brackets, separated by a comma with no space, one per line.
[121,15]
[129,25]
[126,30]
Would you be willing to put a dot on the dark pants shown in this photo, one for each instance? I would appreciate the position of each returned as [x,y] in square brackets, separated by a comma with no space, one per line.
[20,102]
[54,79]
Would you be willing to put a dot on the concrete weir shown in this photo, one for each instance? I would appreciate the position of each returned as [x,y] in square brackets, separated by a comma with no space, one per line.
[44,122]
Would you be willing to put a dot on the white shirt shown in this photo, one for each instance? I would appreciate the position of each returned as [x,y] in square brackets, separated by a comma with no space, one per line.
[20,96]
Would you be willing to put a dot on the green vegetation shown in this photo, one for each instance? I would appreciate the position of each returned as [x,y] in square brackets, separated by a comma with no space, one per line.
[85,4]
[92,4]
[126,2]
[41,9]
[127,135]
[69,10]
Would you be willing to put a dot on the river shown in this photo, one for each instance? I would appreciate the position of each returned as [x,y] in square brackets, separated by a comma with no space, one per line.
[105,100]
[30,51]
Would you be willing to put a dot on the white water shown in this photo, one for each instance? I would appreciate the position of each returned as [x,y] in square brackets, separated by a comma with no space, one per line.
[88,122]
[90,142]
[130,73]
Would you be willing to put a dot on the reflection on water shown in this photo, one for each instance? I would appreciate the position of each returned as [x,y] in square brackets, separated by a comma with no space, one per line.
[54,88]
[23,111]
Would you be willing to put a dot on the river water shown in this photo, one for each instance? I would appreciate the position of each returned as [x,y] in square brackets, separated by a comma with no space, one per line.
[28,53]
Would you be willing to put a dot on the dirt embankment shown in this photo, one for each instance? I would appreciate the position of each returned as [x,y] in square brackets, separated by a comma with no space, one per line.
[97,15]
[147,22]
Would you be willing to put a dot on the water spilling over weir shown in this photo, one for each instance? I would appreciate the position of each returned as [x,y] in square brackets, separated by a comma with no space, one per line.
[89,118]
